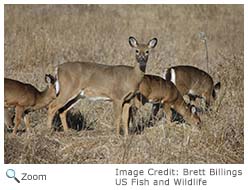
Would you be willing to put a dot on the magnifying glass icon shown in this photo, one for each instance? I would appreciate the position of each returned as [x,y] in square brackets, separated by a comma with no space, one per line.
[10,173]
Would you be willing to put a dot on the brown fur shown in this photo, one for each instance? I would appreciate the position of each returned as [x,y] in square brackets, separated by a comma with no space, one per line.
[24,97]
[190,80]
[157,90]
[117,83]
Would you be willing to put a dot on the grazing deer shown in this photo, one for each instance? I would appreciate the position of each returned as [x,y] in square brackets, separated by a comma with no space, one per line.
[193,82]
[25,97]
[117,83]
[156,90]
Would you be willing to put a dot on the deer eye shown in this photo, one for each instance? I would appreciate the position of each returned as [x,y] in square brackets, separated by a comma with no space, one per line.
[147,52]
[137,51]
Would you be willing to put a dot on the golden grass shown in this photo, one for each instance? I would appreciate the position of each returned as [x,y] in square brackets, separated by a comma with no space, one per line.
[39,37]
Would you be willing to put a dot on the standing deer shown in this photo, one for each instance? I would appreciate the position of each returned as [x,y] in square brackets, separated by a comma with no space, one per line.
[117,83]
[156,90]
[25,97]
[193,82]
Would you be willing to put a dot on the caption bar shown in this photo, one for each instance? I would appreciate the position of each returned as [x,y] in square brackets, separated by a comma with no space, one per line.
[171,177]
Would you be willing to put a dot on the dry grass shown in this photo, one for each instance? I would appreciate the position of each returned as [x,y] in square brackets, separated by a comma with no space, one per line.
[38,37]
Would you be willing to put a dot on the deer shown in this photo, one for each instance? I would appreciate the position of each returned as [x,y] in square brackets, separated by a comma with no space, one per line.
[193,82]
[115,83]
[24,98]
[158,91]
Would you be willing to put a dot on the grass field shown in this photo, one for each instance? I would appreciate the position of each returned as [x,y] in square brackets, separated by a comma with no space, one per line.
[39,37]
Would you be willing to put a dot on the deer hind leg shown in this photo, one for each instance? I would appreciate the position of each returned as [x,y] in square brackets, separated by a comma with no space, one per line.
[62,106]
[63,111]
[63,120]
[126,117]
[52,109]
[18,116]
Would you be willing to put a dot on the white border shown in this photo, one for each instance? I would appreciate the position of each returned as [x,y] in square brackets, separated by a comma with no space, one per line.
[2,81]
[102,176]
[123,2]
[245,86]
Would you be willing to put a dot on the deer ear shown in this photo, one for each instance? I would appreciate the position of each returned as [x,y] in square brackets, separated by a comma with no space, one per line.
[193,109]
[152,43]
[133,42]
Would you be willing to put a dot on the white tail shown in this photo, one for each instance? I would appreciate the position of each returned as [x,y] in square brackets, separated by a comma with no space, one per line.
[97,81]
[25,97]
[193,82]
[155,89]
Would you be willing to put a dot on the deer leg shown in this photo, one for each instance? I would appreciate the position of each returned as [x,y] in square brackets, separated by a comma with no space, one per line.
[52,109]
[167,110]
[63,120]
[117,107]
[126,117]
[27,122]
[132,113]
[63,111]
[137,102]
[155,109]
[62,105]
[18,116]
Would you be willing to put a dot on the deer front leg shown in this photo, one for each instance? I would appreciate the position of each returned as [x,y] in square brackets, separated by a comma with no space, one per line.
[18,117]
[52,109]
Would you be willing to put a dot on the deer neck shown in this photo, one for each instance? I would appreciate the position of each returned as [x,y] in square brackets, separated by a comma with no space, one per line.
[140,70]
[43,98]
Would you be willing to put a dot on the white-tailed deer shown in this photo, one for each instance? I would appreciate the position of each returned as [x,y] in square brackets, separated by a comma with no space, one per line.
[25,97]
[193,82]
[156,90]
[117,83]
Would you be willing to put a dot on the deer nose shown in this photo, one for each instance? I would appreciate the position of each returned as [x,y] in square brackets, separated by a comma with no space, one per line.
[142,60]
